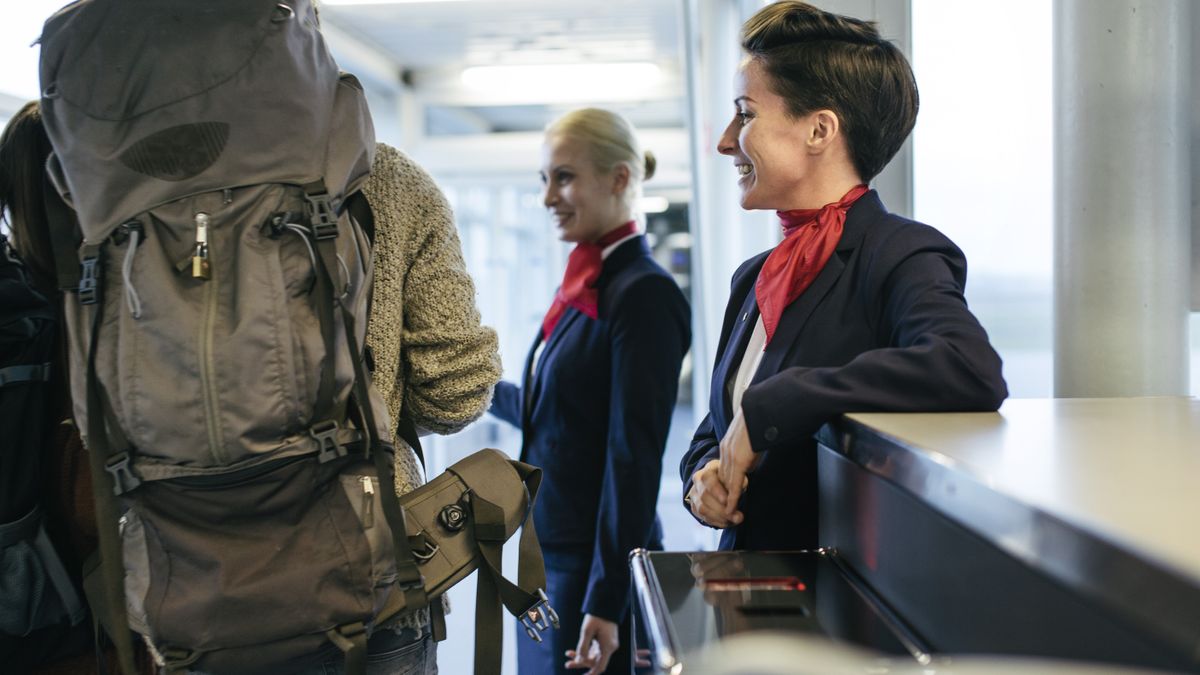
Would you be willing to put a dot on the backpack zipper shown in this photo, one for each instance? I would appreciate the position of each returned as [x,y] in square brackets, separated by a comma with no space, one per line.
[207,375]
[200,267]
[368,509]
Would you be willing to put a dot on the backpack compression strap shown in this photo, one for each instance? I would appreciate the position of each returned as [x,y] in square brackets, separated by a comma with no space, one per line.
[109,604]
[526,599]
[360,210]
[323,228]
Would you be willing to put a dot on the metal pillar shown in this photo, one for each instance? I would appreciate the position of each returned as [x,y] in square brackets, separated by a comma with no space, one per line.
[894,20]
[1195,163]
[1122,214]
[711,55]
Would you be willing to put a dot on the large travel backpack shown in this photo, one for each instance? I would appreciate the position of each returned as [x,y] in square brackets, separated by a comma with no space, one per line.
[214,154]
[39,602]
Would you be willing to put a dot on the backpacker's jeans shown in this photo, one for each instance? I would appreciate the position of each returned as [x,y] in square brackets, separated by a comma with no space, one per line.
[390,652]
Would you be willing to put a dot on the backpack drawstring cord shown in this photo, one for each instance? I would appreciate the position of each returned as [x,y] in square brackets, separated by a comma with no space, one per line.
[132,301]
[312,256]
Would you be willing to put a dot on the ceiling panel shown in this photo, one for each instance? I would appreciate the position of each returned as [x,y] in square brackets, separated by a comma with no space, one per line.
[487,32]
[432,42]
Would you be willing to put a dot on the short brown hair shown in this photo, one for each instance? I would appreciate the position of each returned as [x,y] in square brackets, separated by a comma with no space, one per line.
[818,60]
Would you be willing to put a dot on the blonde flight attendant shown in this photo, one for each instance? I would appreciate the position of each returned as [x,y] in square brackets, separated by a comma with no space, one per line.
[599,388]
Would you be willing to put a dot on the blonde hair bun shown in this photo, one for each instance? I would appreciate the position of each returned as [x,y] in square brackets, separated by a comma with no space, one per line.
[650,164]
[610,138]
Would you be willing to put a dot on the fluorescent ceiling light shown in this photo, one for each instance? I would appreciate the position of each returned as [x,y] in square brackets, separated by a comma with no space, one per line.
[563,81]
[379,2]
[653,204]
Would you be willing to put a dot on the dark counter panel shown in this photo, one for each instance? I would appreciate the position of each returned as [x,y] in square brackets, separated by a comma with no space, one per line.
[962,593]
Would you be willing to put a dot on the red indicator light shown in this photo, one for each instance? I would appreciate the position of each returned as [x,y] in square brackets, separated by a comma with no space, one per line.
[753,584]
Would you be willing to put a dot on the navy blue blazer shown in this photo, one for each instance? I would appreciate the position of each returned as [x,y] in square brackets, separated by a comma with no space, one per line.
[883,327]
[595,414]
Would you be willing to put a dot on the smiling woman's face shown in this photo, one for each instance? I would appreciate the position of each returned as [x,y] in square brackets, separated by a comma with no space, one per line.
[768,146]
[584,202]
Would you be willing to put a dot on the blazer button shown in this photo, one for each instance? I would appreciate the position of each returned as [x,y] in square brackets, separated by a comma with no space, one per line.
[771,433]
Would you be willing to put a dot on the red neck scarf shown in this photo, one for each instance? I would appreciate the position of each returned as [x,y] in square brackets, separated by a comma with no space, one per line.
[578,287]
[809,239]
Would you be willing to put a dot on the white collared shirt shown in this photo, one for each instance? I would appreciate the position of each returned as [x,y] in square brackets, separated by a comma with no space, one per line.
[751,359]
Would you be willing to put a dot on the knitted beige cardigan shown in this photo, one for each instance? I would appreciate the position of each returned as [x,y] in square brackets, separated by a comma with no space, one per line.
[432,357]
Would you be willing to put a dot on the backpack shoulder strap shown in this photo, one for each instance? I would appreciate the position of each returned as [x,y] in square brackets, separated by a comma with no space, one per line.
[108,594]
[360,211]
[408,431]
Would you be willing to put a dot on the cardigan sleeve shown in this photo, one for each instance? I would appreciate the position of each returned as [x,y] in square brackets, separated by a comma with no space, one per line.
[650,333]
[448,362]
[938,357]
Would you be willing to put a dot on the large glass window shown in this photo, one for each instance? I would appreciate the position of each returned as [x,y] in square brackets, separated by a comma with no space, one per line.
[983,166]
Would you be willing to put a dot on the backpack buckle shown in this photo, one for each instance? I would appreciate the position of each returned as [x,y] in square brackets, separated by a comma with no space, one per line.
[89,279]
[322,221]
[539,617]
[124,479]
[325,433]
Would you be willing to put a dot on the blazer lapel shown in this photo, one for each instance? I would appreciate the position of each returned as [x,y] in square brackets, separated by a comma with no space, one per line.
[795,316]
[527,382]
[618,260]
[866,210]
[564,326]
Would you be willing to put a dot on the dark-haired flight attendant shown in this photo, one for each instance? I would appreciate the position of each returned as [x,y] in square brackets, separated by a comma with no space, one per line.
[599,389]
[857,309]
